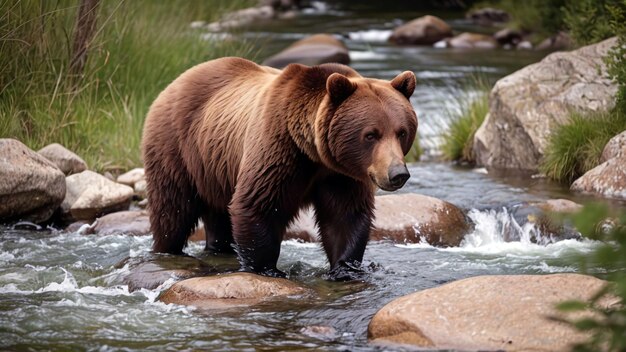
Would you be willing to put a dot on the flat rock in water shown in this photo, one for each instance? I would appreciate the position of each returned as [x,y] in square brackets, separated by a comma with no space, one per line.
[131,177]
[230,290]
[130,222]
[66,160]
[526,106]
[412,218]
[153,270]
[616,147]
[426,30]
[472,41]
[606,180]
[314,50]
[559,206]
[487,313]
[90,195]
[31,186]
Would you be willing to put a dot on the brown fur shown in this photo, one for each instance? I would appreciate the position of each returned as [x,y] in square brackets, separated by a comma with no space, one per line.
[244,147]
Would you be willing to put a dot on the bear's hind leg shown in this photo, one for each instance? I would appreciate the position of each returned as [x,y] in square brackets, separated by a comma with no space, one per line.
[174,211]
[219,232]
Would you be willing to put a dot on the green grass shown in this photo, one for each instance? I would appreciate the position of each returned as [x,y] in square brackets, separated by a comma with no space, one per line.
[459,138]
[139,47]
[576,147]
[416,151]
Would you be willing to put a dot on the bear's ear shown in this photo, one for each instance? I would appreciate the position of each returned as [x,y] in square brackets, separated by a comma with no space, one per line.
[339,88]
[404,83]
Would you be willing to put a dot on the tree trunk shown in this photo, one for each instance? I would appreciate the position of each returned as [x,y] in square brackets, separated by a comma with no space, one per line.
[83,34]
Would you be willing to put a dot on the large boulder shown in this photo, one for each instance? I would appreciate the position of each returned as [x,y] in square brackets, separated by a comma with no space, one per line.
[230,290]
[526,106]
[413,218]
[31,187]
[426,30]
[616,147]
[64,159]
[487,313]
[470,41]
[606,180]
[90,195]
[314,50]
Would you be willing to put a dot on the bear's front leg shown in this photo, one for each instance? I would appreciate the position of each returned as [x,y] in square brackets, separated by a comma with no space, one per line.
[344,210]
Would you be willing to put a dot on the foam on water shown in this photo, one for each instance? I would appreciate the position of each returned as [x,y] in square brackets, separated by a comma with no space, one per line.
[371,35]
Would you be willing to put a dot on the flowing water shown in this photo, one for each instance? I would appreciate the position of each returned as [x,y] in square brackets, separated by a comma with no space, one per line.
[63,291]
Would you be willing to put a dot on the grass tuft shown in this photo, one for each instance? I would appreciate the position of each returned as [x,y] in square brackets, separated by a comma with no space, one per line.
[139,47]
[576,147]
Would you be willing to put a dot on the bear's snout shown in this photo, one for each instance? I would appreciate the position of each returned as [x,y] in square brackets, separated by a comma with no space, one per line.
[398,175]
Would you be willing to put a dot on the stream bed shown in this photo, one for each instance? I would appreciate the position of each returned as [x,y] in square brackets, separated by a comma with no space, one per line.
[62,291]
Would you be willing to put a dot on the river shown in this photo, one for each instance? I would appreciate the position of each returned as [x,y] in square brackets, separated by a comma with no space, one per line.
[63,291]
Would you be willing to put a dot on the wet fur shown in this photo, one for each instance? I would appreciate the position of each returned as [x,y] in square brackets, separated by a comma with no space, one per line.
[245,147]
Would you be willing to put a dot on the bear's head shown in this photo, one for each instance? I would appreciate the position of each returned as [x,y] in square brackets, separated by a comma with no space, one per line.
[365,127]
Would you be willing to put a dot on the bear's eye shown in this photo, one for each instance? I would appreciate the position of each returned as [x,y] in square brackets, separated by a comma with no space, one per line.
[402,134]
[370,137]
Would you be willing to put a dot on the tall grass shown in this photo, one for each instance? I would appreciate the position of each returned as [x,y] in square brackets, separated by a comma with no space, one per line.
[459,137]
[139,47]
[576,147]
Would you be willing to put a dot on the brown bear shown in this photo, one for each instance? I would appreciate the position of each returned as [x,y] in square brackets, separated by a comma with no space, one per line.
[245,147]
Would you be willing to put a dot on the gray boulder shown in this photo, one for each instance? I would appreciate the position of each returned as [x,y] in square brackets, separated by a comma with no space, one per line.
[426,30]
[606,180]
[66,160]
[31,186]
[90,195]
[314,50]
[616,147]
[526,106]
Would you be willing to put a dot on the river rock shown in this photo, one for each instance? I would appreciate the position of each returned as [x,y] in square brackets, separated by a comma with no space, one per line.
[526,106]
[243,17]
[31,186]
[412,218]
[129,222]
[559,41]
[230,290]
[508,36]
[488,16]
[425,30]
[141,189]
[487,313]
[606,180]
[616,147]
[151,271]
[314,50]
[131,177]
[64,159]
[559,206]
[471,41]
[90,195]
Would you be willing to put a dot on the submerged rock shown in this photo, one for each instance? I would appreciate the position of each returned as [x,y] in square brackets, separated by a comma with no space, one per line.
[526,106]
[90,195]
[153,270]
[426,30]
[559,206]
[314,50]
[130,222]
[31,186]
[606,180]
[412,218]
[230,290]
[487,313]
[64,159]
[472,41]
[616,147]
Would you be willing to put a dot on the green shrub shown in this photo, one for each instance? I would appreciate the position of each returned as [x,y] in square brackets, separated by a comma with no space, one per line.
[139,47]
[415,153]
[607,326]
[576,147]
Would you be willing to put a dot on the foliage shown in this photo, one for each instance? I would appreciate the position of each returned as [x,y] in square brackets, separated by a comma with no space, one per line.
[588,20]
[576,147]
[616,60]
[607,325]
[416,151]
[459,138]
[139,47]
